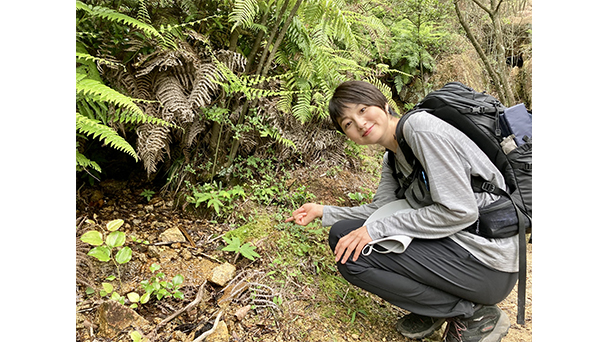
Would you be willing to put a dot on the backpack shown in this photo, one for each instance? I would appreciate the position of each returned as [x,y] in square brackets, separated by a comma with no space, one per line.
[491,126]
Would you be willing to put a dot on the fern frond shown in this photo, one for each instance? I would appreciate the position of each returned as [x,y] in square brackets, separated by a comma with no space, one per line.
[386,90]
[302,110]
[84,162]
[152,142]
[243,14]
[171,95]
[104,133]
[82,57]
[114,16]
[142,12]
[101,92]
[204,86]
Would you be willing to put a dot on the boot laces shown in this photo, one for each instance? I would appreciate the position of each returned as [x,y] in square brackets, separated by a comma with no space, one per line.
[453,330]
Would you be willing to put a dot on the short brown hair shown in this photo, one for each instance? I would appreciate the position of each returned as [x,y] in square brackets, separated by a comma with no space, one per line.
[354,92]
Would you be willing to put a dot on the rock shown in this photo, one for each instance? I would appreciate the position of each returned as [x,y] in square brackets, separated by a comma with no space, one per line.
[180,336]
[149,207]
[222,274]
[114,318]
[220,334]
[155,251]
[172,235]
[186,254]
[240,313]
[167,254]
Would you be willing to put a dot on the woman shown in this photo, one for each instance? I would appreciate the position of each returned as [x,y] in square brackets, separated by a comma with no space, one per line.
[446,272]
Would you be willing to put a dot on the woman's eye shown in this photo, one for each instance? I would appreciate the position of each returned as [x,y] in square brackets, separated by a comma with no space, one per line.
[362,109]
[347,124]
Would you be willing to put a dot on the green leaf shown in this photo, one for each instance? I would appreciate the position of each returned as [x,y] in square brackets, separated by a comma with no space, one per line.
[110,278]
[114,225]
[115,296]
[247,250]
[90,290]
[133,306]
[107,287]
[154,267]
[136,336]
[102,253]
[133,297]
[145,298]
[124,255]
[115,239]
[92,237]
[178,294]
[233,244]
[178,280]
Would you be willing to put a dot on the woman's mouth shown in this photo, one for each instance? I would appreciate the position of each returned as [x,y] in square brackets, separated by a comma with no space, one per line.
[368,131]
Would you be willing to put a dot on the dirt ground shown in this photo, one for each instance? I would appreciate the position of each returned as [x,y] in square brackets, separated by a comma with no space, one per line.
[308,311]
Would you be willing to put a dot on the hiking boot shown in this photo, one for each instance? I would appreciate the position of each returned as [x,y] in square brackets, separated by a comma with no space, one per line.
[418,327]
[488,324]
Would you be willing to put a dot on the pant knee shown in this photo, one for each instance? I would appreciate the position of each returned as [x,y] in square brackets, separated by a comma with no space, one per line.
[341,228]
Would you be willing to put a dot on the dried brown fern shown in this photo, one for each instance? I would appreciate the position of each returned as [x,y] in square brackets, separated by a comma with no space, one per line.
[152,142]
[170,92]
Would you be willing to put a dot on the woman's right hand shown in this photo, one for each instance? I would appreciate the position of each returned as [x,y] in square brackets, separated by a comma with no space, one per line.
[306,214]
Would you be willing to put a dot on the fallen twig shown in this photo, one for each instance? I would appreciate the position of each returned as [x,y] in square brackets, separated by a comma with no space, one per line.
[210,331]
[199,297]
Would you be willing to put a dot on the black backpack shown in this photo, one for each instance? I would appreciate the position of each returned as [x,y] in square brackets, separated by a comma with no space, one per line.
[482,118]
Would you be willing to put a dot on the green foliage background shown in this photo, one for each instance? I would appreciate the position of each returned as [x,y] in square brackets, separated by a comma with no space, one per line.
[191,89]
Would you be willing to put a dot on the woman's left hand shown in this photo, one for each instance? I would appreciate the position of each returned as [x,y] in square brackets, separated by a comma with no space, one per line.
[353,242]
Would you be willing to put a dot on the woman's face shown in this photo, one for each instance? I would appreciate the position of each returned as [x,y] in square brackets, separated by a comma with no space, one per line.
[363,124]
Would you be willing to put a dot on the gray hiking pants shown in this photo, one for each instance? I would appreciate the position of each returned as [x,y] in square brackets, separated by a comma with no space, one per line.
[435,278]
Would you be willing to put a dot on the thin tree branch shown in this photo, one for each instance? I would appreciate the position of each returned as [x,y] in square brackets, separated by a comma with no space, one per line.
[199,297]
[488,10]
[210,331]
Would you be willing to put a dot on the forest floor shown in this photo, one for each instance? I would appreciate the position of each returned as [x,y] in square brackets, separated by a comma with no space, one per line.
[295,290]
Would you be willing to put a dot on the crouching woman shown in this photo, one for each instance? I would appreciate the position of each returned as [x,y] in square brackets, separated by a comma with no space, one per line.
[446,272]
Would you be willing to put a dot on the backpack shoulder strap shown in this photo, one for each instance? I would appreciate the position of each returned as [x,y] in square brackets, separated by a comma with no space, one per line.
[405,148]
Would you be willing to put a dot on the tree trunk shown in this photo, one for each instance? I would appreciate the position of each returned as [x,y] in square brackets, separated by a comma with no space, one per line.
[280,37]
[264,70]
[498,74]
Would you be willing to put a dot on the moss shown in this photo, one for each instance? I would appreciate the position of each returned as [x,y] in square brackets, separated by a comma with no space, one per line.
[261,225]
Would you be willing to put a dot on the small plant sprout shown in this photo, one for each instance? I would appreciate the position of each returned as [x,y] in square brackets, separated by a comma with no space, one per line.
[246,249]
[147,194]
[157,285]
[104,247]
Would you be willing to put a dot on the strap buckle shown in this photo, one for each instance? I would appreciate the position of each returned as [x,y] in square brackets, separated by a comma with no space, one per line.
[487,186]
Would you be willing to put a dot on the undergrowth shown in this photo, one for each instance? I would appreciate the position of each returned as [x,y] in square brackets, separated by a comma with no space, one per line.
[297,260]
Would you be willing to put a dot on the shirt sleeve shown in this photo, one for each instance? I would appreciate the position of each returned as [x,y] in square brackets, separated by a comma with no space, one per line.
[384,195]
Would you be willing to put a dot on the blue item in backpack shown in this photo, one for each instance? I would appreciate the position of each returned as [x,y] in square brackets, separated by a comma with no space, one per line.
[519,122]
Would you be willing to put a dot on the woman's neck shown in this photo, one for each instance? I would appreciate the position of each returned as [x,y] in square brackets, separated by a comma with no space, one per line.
[390,139]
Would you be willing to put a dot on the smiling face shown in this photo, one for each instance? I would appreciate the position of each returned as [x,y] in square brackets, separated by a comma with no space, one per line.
[365,124]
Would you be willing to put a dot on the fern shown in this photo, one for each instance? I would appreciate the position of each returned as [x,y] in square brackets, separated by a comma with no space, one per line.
[99,91]
[104,133]
[244,13]
[142,12]
[83,162]
[116,17]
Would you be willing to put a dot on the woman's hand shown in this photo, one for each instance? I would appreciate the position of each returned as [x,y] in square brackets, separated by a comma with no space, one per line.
[306,214]
[353,242]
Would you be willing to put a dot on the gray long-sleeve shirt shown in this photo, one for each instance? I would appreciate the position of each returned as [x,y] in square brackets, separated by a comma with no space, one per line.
[449,159]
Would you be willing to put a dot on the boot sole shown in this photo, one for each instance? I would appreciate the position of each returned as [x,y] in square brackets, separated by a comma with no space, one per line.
[422,334]
[500,330]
